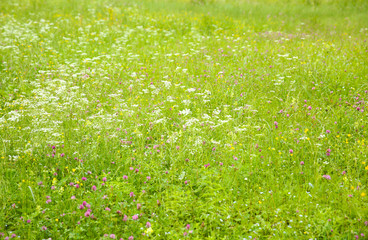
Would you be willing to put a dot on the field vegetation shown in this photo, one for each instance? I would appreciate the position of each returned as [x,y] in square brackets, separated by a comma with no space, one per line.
[194,119]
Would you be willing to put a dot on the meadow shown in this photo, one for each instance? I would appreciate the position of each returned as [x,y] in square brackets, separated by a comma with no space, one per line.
[186,119]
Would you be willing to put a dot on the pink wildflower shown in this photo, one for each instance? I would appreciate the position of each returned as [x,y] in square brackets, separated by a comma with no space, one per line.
[328,177]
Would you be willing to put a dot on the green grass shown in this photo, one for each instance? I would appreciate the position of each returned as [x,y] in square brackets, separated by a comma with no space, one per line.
[243,119]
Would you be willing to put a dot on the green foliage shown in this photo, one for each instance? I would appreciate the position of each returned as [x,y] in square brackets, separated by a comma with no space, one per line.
[243,119]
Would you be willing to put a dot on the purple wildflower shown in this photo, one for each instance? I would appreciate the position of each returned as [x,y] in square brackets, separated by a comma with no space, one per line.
[328,177]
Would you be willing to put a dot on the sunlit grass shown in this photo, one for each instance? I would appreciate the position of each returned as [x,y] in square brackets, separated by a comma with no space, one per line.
[183,119]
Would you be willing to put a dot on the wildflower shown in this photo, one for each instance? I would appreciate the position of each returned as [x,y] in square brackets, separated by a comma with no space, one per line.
[185,233]
[131,194]
[131,238]
[73,197]
[112,236]
[328,177]
[44,228]
[104,179]
[84,178]
[276,124]
[328,152]
[135,217]
[291,151]
[149,231]
[93,188]
[363,194]
[29,220]
[139,206]
[88,213]
[125,177]
[107,209]
[302,163]
[148,224]
[187,227]
[125,218]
